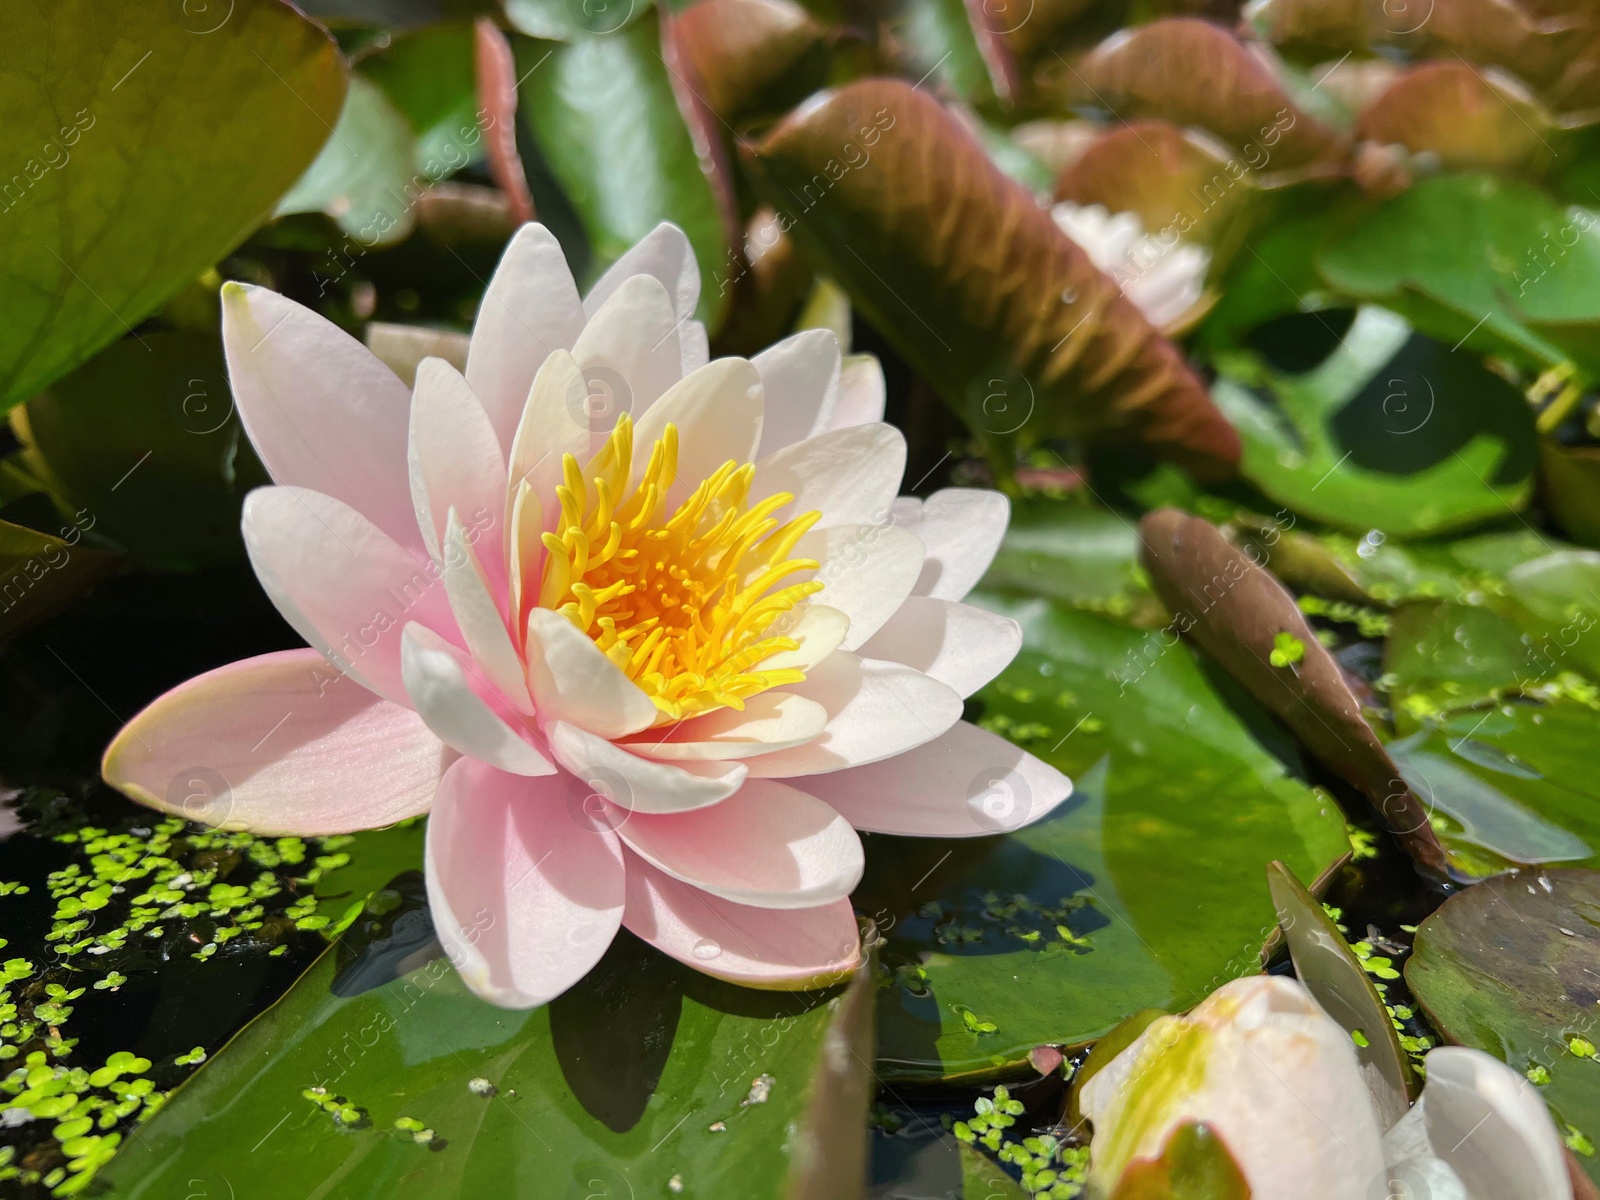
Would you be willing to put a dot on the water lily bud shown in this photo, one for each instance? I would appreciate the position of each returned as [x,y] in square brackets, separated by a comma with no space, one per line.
[1267,1070]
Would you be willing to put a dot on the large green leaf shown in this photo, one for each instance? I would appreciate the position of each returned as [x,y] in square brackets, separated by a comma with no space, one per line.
[1508,967]
[144,439]
[1146,889]
[603,111]
[429,77]
[142,141]
[646,1079]
[1392,432]
[1494,263]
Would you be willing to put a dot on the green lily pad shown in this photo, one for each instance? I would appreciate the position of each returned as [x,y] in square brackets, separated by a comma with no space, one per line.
[1507,967]
[1391,432]
[41,573]
[1392,572]
[143,140]
[1556,599]
[1496,263]
[1333,975]
[1441,656]
[1519,780]
[144,439]
[644,1079]
[603,111]
[1054,933]
[361,178]
[429,76]
[1084,557]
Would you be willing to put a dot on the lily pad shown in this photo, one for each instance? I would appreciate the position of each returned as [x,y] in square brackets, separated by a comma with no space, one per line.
[1508,967]
[429,77]
[1392,432]
[1085,557]
[1054,933]
[1494,264]
[143,140]
[644,1074]
[1333,975]
[1441,656]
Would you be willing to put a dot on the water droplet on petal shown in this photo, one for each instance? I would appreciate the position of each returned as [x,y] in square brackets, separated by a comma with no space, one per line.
[706,949]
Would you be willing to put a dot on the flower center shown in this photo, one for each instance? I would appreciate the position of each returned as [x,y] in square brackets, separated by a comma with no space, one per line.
[684,603]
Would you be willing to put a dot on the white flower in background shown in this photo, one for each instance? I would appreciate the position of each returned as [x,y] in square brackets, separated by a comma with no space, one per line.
[649,636]
[1163,281]
[1278,1081]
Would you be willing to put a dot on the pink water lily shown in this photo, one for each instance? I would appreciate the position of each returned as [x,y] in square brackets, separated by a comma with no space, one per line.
[648,636]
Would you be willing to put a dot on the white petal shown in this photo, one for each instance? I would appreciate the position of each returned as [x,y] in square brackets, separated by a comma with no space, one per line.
[961,528]
[867,572]
[768,845]
[717,411]
[966,783]
[641,784]
[526,895]
[573,680]
[875,710]
[695,346]
[770,721]
[850,476]
[861,392]
[482,626]
[529,310]
[342,583]
[436,676]
[629,350]
[664,253]
[801,376]
[554,424]
[454,456]
[820,630]
[956,644]
[320,409]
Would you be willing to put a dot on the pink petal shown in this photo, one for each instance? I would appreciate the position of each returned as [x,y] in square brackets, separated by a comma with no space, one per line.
[861,392]
[867,572]
[280,744]
[875,710]
[630,350]
[957,644]
[768,845]
[455,458]
[770,721]
[526,892]
[801,377]
[344,584]
[321,410]
[782,949]
[850,476]
[530,309]
[665,254]
[718,413]
[642,784]
[478,613]
[463,709]
[967,783]
[961,528]
[555,423]
[573,681]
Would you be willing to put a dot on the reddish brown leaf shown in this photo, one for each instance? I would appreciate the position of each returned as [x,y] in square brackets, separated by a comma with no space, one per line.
[497,100]
[750,56]
[1191,72]
[1235,610]
[974,283]
[1472,119]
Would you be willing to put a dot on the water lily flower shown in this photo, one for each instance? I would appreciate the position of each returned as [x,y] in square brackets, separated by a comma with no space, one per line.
[648,636]
[1163,278]
[1277,1080]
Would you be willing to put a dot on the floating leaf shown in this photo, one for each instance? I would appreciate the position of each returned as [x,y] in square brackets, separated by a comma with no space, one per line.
[636,1076]
[1018,330]
[429,77]
[156,139]
[1081,556]
[1507,967]
[750,57]
[1324,962]
[1174,795]
[41,573]
[1391,432]
[1571,488]
[144,439]
[1441,656]
[604,114]
[1234,610]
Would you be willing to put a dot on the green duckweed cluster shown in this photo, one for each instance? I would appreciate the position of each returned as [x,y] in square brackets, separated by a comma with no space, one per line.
[1049,1168]
[1369,622]
[1413,1036]
[129,900]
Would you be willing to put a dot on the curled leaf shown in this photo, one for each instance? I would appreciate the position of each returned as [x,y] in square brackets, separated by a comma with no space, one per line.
[1470,119]
[1234,609]
[1016,328]
[750,56]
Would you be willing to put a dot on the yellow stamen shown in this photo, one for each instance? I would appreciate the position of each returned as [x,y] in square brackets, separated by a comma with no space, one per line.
[681,602]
